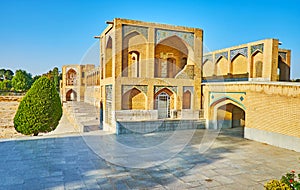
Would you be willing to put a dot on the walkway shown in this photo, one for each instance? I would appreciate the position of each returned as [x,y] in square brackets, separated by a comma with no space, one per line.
[67,162]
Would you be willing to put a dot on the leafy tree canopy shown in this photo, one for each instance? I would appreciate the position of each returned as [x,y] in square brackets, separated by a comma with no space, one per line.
[22,81]
[40,110]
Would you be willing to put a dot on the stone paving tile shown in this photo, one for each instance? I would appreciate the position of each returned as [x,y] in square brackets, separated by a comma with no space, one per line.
[66,162]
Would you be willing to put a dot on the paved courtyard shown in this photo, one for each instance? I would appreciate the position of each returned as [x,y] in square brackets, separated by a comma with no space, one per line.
[68,161]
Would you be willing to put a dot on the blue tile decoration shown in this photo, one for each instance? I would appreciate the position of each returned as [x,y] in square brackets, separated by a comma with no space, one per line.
[130,28]
[190,88]
[283,55]
[108,92]
[217,96]
[172,88]
[241,98]
[242,51]
[207,57]
[257,47]
[222,54]
[142,88]
[161,34]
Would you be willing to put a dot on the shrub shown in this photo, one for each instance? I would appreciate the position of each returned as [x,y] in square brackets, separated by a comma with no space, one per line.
[276,185]
[290,181]
[40,110]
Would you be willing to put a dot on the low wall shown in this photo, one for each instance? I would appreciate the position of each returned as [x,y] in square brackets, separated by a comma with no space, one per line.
[275,139]
[136,115]
[127,127]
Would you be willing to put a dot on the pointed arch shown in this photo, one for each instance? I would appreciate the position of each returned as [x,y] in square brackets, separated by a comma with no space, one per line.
[208,68]
[133,42]
[239,64]
[164,102]
[256,51]
[227,113]
[256,67]
[171,47]
[133,99]
[71,77]
[222,66]
[71,95]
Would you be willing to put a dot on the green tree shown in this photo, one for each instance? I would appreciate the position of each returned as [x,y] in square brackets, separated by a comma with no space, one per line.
[55,74]
[40,110]
[5,85]
[35,78]
[22,80]
[6,74]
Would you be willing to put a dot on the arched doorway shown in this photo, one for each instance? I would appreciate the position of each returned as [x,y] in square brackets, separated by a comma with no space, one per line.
[71,95]
[163,103]
[230,116]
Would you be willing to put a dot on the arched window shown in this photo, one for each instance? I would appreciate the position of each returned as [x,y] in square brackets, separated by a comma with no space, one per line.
[186,101]
[134,48]
[71,77]
[108,58]
[134,64]
[258,69]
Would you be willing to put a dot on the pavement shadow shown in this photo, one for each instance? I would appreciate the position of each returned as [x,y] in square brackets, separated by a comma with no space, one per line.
[69,163]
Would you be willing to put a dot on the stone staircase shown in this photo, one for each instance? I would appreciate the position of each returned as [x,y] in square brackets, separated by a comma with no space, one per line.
[83,115]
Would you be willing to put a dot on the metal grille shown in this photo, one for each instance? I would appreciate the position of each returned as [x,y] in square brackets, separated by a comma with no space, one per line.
[162,104]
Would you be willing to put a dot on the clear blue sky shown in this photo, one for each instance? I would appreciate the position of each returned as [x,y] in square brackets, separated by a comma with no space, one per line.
[37,35]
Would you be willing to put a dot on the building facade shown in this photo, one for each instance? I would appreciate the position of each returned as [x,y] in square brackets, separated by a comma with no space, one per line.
[155,74]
